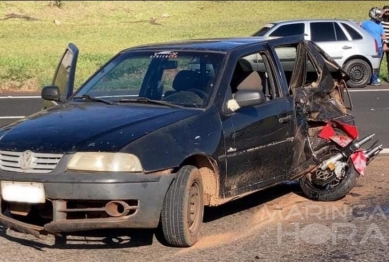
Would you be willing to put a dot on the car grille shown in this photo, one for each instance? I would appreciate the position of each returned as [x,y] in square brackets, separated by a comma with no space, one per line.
[28,161]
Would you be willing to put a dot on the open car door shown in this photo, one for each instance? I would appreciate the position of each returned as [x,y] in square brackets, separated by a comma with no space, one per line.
[64,75]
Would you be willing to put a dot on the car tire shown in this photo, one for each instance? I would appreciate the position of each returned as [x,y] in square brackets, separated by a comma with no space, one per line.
[341,190]
[183,208]
[359,71]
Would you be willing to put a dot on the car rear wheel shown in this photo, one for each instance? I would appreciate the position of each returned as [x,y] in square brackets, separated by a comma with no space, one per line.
[359,71]
[183,208]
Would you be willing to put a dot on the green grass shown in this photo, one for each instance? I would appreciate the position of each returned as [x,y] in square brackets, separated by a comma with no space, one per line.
[31,43]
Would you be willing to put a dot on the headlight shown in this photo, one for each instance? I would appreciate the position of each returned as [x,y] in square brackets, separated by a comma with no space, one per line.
[101,161]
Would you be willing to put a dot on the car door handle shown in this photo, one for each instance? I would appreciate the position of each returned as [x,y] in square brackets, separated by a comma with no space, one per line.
[346,47]
[285,119]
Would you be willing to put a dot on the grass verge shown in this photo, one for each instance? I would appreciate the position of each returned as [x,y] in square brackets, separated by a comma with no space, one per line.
[34,34]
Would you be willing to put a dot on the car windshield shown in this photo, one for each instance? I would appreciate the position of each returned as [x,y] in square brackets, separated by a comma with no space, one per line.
[175,78]
[264,30]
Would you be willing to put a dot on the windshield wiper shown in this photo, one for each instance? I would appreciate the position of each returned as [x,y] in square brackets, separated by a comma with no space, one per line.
[91,98]
[147,100]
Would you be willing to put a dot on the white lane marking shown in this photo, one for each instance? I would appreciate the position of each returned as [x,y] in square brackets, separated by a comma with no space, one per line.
[19,97]
[369,90]
[385,151]
[12,117]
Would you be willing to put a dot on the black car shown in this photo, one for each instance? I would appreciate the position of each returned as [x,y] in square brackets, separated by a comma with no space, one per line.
[160,131]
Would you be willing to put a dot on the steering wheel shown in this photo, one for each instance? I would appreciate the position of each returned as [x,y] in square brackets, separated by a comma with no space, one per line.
[198,92]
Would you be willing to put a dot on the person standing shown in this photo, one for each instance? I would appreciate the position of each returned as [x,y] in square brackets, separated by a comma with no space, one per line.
[374,27]
[385,25]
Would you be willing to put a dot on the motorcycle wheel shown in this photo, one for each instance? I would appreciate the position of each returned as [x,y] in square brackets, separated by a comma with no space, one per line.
[333,188]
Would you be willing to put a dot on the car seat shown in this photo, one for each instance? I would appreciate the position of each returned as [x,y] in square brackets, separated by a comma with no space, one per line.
[187,89]
[183,81]
[250,81]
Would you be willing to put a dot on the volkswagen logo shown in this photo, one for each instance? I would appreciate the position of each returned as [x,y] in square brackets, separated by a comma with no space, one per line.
[26,160]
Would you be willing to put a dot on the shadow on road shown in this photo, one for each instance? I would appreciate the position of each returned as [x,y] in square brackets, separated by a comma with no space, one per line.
[89,240]
[250,201]
[127,238]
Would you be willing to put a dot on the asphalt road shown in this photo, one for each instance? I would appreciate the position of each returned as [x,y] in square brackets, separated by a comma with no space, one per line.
[371,109]
[16,106]
[276,224]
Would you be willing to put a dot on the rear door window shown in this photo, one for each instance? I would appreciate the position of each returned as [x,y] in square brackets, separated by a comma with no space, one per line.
[352,32]
[289,30]
[322,32]
[340,35]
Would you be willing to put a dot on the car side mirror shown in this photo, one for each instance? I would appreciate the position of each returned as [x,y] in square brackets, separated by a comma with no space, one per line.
[51,93]
[245,98]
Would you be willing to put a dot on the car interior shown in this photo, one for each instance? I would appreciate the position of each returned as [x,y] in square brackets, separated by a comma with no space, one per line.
[251,74]
[186,87]
[191,84]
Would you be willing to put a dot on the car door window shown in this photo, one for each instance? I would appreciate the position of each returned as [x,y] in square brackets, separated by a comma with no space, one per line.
[272,87]
[287,56]
[259,63]
[298,67]
[340,35]
[352,32]
[311,74]
[322,32]
[289,30]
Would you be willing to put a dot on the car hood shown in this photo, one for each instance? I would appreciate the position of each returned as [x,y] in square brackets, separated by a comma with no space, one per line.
[85,126]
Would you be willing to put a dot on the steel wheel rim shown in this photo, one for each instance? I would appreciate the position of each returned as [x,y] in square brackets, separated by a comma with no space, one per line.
[194,208]
[357,73]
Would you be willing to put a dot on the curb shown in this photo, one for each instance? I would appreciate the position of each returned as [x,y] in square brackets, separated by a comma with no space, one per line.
[384,151]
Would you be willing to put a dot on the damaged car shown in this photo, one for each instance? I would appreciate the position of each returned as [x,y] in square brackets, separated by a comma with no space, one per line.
[162,130]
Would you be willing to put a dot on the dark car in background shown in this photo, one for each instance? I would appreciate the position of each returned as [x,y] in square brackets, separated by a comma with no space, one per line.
[344,41]
[162,130]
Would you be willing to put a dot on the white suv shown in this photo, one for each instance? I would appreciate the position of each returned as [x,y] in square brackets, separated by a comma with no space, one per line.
[344,40]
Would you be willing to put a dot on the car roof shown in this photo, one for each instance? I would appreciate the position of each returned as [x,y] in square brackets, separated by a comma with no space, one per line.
[313,20]
[211,44]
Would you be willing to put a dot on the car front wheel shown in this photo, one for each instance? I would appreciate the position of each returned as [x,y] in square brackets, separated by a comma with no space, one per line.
[183,208]
[359,71]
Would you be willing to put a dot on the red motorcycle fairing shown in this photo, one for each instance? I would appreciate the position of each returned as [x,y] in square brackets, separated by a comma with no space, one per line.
[358,157]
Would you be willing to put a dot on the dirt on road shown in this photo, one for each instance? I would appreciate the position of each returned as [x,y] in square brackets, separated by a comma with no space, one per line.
[277,224]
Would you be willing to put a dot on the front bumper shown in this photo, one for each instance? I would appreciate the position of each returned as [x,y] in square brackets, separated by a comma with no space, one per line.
[66,192]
